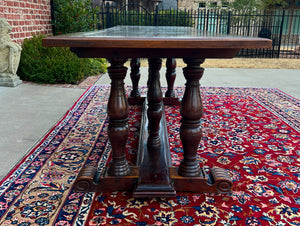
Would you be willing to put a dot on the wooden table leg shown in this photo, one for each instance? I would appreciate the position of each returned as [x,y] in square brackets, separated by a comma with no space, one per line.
[191,112]
[135,76]
[155,102]
[170,98]
[117,110]
[170,76]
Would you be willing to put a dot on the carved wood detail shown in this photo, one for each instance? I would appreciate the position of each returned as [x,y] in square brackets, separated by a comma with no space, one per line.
[135,76]
[191,112]
[117,110]
[155,102]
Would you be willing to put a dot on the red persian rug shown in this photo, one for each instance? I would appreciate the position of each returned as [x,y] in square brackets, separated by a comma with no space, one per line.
[252,132]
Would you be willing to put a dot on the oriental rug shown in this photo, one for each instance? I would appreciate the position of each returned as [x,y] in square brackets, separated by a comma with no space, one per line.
[252,132]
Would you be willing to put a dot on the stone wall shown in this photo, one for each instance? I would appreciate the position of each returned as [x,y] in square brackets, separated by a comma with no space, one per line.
[27,17]
[187,4]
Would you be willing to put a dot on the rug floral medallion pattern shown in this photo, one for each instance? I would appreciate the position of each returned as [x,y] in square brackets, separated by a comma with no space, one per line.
[252,132]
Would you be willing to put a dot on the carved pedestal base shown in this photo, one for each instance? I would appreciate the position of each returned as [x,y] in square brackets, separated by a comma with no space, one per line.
[9,80]
[154,176]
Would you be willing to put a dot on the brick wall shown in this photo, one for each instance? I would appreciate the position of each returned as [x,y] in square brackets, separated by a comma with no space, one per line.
[27,17]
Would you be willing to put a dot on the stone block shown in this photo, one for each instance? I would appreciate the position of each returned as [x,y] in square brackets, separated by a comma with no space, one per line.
[9,80]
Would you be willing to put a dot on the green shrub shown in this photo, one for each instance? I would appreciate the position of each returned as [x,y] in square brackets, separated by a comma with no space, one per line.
[55,64]
[72,16]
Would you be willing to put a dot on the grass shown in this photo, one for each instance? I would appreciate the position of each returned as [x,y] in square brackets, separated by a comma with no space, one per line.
[259,63]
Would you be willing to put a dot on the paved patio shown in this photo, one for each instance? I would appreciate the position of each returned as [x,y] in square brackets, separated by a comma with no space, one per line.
[29,110]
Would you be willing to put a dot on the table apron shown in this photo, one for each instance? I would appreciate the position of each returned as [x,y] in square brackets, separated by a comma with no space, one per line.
[90,52]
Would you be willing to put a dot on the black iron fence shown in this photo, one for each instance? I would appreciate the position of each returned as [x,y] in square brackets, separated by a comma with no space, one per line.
[281,26]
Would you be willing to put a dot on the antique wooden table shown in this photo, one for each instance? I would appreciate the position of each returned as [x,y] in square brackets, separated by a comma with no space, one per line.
[154,176]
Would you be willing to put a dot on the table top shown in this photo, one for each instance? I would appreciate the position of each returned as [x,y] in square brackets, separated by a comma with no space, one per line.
[161,38]
[155,37]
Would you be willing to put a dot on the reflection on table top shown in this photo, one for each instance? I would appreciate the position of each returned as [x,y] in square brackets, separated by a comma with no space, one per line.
[164,32]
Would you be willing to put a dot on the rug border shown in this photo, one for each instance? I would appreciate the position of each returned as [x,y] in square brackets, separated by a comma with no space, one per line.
[287,94]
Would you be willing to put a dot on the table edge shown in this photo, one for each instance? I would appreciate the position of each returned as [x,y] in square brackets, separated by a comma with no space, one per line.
[163,43]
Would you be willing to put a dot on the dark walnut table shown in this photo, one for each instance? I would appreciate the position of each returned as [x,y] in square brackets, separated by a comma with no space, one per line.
[154,176]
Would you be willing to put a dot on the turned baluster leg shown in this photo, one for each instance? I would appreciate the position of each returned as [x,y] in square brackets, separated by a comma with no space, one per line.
[117,110]
[170,76]
[135,76]
[155,105]
[191,112]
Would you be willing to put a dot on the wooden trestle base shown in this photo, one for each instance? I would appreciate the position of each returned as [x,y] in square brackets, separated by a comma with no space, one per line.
[154,176]
[214,180]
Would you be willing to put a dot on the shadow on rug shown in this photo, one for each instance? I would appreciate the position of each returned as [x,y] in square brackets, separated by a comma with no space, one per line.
[252,132]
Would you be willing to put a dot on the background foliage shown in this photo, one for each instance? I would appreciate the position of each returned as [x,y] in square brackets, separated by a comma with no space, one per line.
[248,6]
[59,65]
[73,16]
[145,18]
[55,64]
